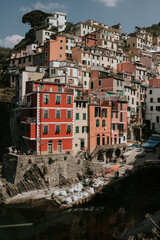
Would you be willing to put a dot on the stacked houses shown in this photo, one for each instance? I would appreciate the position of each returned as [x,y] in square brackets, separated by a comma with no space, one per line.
[87,89]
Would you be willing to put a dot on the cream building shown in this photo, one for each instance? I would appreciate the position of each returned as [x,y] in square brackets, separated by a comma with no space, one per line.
[80,122]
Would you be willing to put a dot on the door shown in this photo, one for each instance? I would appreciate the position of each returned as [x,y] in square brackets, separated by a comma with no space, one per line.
[50,147]
[82,144]
[59,147]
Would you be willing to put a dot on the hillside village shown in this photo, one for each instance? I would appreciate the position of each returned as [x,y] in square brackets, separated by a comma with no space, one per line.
[89,89]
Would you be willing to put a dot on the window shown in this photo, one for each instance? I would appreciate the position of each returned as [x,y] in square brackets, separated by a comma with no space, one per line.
[121,117]
[114,127]
[84,116]
[58,113]
[69,100]
[69,114]
[132,100]
[103,139]
[99,82]
[45,114]
[157,119]
[61,40]
[107,139]
[60,55]
[97,122]
[117,82]
[79,93]
[97,112]
[68,128]
[84,104]
[104,113]
[60,88]
[77,116]
[158,99]
[116,114]
[88,62]
[151,108]
[77,129]
[45,129]
[84,74]
[58,99]
[84,129]
[92,85]
[66,47]
[151,99]
[111,114]
[121,106]
[98,139]
[57,129]
[150,91]
[53,71]
[103,122]
[85,83]
[46,98]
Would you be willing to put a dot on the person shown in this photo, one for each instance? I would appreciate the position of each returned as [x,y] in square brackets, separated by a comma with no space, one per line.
[126,171]
[117,174]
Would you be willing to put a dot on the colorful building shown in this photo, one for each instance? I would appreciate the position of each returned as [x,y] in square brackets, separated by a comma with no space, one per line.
[54,49]
[99,122]
[47,117]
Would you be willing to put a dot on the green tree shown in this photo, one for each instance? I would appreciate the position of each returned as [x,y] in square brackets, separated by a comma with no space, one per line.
[35,18]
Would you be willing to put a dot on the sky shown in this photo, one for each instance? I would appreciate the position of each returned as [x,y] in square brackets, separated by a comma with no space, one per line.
[129,13]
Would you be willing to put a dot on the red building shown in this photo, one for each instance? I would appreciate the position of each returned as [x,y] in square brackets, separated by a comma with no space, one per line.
[48,117]
[90,40]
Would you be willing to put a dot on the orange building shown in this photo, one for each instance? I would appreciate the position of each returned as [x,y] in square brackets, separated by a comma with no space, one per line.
[90,40]
[99,121]
[55,49]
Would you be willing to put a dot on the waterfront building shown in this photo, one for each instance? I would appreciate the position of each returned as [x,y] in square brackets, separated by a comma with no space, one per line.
[99,122]
[47,117]
[152,114]
[81,130]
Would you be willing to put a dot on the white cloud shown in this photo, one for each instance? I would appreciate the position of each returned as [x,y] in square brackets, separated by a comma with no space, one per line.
[25,9]
[109,3]
[10,41]
[51,7]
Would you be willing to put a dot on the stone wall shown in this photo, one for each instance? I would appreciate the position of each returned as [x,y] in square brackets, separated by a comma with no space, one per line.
[50,167]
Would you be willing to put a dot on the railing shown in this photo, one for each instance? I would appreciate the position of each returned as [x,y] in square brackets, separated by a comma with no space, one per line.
[31,119]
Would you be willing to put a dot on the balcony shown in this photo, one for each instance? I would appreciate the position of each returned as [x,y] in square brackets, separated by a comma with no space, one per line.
[29,119]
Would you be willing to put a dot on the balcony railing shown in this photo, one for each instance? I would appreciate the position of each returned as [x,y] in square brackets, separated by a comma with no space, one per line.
[31,119]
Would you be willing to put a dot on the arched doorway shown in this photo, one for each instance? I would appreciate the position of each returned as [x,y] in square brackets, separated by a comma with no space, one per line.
[98,140]
[118,152]
[100,156]
[103,139]
[50,147]
[59,146]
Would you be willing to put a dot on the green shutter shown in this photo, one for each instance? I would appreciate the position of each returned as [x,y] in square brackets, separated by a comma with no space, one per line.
[84,116]
[77,116]
[103,123]
[77,129]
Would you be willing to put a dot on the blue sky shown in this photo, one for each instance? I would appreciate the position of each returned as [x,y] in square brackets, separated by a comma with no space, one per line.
[129,13]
